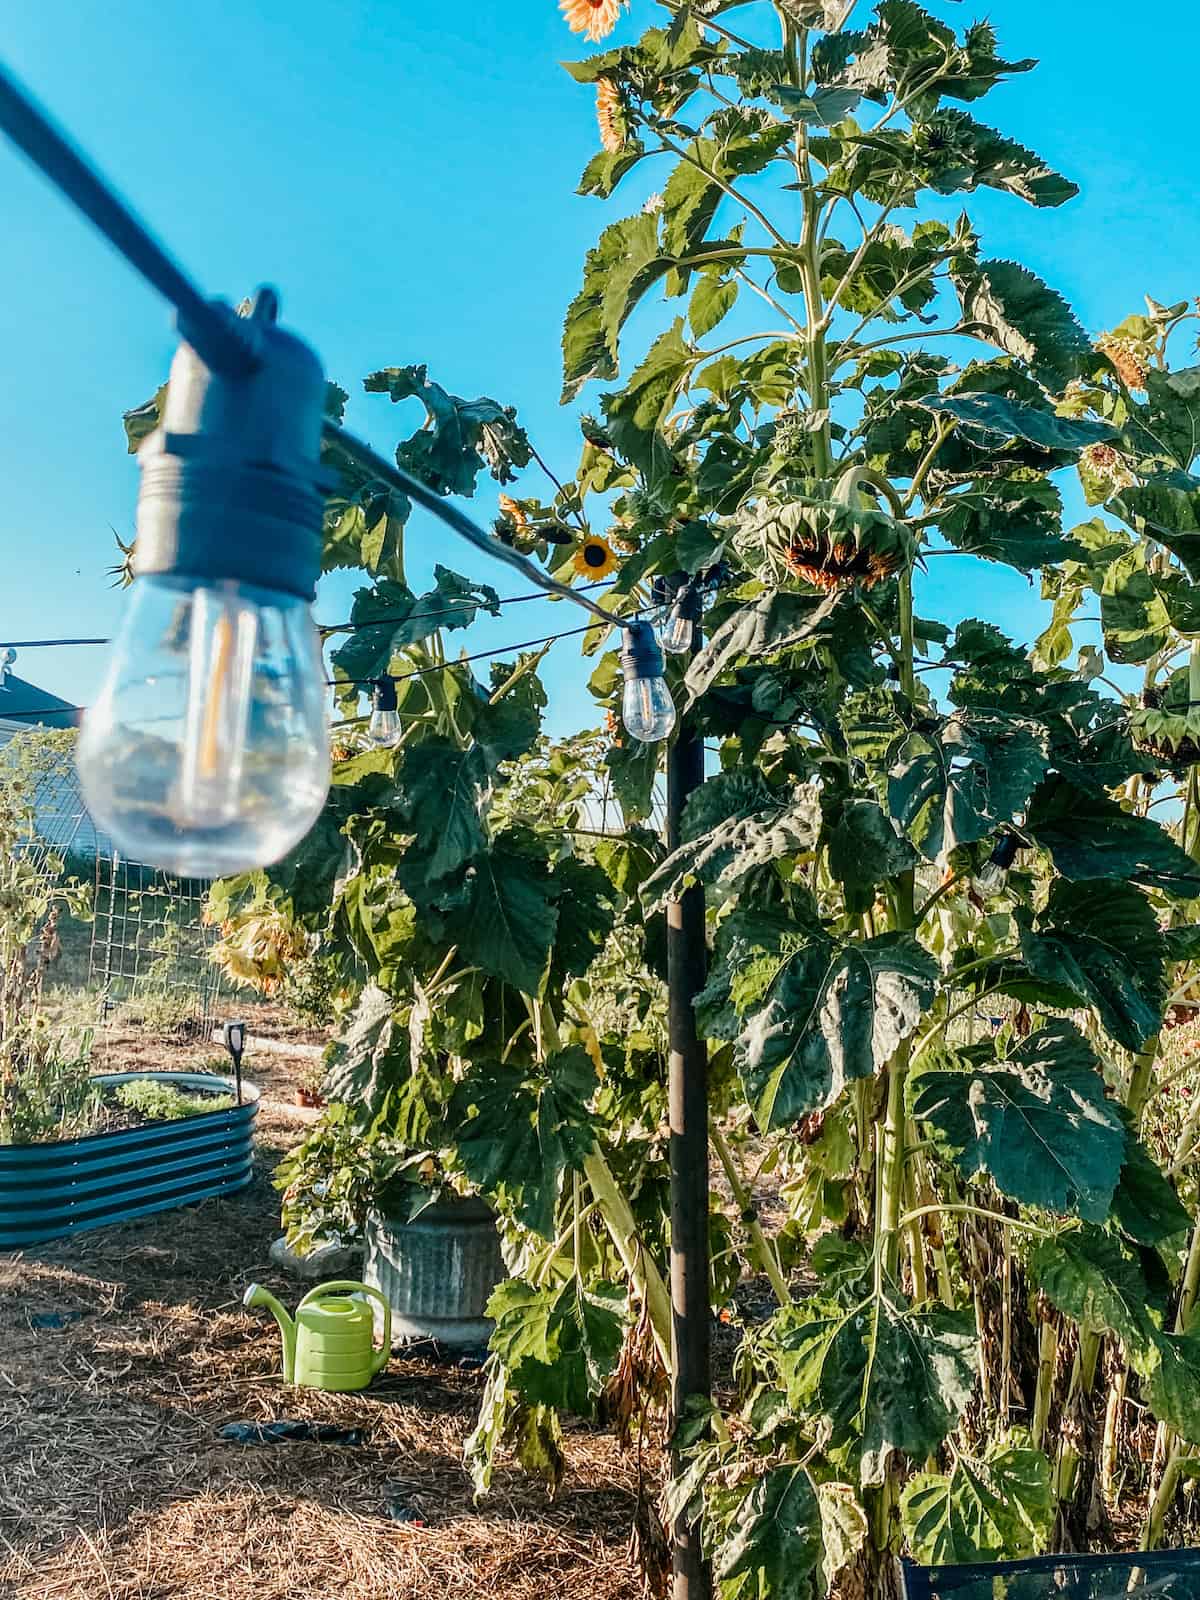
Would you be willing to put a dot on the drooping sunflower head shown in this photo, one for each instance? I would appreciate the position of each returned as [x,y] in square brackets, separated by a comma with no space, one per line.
[830,544]
[595,19]
[595,558]
[1167,725]
[1105,466]
[611,115]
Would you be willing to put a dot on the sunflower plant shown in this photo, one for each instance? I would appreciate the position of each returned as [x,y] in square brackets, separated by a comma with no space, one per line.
[947,908]
[949,918]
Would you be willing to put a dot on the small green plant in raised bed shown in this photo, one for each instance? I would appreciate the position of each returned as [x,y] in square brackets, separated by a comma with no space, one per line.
[163,1102]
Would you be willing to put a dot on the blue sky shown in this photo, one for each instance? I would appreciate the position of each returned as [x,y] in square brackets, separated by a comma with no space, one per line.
[405,174]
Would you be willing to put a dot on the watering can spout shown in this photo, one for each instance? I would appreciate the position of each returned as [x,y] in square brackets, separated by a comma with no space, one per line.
[256,1295]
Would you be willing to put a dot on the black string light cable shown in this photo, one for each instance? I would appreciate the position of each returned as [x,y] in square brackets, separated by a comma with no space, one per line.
[223,340]
[493,654]
[328,629]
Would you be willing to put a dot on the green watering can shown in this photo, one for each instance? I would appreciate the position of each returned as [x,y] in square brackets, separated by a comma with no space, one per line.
[330,1343]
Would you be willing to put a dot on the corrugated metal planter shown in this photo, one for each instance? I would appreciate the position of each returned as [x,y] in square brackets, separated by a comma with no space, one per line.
[437,1271]
[50,1190]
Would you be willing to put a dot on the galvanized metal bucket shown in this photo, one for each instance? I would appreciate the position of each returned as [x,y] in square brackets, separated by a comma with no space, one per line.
[50,1190]
[438,1271]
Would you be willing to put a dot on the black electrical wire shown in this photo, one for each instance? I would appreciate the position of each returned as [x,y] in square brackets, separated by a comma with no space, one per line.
[40,644]
[222,338]
[417,672]
[480,655]
[326,629]
[224,341]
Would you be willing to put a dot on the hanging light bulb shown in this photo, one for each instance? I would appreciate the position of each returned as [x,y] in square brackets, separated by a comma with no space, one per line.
[994,874]
[206,751]
[679,628]
[384,729]
[647,709]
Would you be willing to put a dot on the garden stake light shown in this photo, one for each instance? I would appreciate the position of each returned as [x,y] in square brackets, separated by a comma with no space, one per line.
[233,1037]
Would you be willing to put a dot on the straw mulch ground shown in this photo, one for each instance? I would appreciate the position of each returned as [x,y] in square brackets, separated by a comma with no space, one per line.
[114,1485]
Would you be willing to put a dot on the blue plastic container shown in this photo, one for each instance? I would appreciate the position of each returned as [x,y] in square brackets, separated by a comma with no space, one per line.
[50,1190]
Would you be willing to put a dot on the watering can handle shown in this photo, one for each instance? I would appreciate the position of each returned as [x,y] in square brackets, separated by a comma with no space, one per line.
[383,1354]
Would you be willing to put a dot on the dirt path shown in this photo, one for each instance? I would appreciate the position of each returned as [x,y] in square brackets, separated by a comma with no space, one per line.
[122,1354]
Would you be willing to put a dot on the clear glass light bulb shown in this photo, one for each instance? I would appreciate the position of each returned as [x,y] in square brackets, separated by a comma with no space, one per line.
[993,875]
[206,751]
[991,878]
[676,635]
[383,729]
[647,709]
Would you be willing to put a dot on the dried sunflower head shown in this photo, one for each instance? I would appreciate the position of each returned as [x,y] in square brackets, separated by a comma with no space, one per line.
[1166,725]
[1106,465]
[828,542]
[1128,356]
[513,511]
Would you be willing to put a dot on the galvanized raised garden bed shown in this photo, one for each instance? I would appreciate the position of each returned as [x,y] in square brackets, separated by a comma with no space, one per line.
[50,1190]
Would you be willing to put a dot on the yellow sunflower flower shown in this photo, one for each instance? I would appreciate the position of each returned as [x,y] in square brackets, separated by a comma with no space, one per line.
[595,19]
[595,558]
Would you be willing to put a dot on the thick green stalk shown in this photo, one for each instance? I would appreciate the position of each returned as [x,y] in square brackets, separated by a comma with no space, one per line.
[891,1177]
[1047,1372]
[763,1249]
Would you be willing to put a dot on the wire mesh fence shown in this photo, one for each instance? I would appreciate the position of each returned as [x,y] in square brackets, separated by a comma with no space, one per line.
[150,943]
[147,943]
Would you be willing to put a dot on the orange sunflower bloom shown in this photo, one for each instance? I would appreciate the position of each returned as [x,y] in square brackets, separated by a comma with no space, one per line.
[511,509]
[595,19]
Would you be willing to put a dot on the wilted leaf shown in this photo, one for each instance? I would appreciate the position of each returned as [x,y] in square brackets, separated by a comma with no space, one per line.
[558,1345]
[1092,1277]
[775,1534]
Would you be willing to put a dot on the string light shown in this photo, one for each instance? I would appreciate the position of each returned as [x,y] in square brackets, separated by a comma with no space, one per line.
[226,559]
[647,709]
[383,730]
